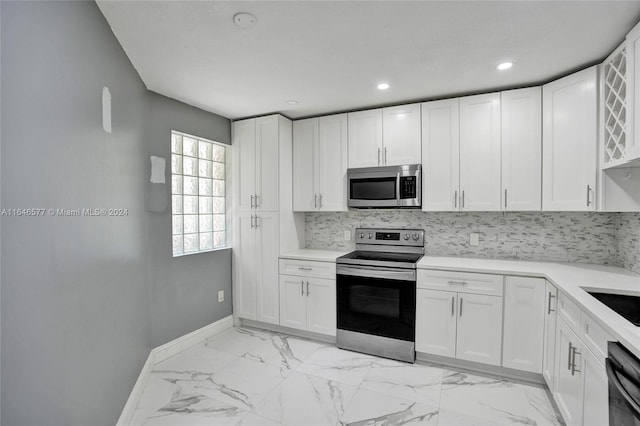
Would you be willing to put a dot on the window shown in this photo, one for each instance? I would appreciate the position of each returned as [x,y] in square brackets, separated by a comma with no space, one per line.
[197,194]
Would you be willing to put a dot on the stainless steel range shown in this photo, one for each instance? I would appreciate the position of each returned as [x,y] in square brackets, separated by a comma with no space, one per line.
[376,288]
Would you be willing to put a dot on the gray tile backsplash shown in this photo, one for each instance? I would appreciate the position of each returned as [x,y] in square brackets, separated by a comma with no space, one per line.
[628,241]
[602,238]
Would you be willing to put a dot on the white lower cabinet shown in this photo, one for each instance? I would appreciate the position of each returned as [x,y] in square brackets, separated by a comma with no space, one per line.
[580,377]
[256,266]
[569,376]
[462,325]
[550,319]
[524,303]
[308,296]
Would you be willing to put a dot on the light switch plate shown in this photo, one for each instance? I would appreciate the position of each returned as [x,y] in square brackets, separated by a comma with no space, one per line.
[221,296]
[347,235]
[474,239]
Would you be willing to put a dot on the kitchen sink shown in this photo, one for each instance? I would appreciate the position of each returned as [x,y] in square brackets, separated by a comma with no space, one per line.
[626,306]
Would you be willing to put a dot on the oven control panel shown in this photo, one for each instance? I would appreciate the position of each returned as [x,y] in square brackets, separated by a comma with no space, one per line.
[396,237]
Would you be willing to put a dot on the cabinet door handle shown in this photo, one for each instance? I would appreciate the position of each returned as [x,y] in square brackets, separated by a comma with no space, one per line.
[257,222]
[302,288]
[461,307]
[320,198]
[378,156]
[569,357]
[549,310]
[455,199]
[251,221]
[574,370]
[505,198]
[385,155]
[588,195]
[315,201]
[308,289]
[462,204]
[257,203]
[453,299]
[252,201]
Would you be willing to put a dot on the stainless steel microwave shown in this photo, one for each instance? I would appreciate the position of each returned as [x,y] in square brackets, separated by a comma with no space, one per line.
[385,187]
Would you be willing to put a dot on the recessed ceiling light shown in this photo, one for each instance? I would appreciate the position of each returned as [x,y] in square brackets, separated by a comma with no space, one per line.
[292,102]
[244,19]
[383,86]
[504,66]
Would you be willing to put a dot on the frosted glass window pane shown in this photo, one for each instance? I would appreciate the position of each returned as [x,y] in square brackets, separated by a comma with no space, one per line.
[177,244]
[218,170]
[205,168]
[190,147]
[206,241]
[206,205]
[218,222]
[218,188]
[190,166]
[206,223]
[218,239]
[176,224]
[218,153]
[176,164]
[176,143]
[190,204]
[204,150]
[176,184]
[191,242]
[190,223]
[206,186]
[218,205]
[190,185]
[176,204]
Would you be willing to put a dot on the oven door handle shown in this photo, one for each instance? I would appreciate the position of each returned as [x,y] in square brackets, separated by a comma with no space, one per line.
[383,273]
[613,378]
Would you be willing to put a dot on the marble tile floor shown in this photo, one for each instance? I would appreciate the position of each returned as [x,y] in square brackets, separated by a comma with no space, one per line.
[248,377]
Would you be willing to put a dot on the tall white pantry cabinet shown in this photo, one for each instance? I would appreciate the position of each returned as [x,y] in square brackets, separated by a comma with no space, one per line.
[263,223]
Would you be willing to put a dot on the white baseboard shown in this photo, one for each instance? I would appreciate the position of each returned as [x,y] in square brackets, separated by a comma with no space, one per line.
[163,352]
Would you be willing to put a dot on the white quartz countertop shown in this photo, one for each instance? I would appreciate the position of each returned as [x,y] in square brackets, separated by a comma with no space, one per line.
[573,279]
[313,254]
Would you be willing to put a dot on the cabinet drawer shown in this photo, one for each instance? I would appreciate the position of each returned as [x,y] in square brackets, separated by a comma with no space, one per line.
[462,282]
[308,268]
[569,311]
[594,336]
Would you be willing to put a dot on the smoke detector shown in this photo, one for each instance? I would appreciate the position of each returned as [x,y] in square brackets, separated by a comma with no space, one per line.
[244,19]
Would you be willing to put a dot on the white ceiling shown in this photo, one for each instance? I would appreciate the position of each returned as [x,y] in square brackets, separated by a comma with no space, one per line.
[329,55]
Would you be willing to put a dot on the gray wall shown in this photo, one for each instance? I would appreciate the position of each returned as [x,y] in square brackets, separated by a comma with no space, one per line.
[80,308]
[184,290]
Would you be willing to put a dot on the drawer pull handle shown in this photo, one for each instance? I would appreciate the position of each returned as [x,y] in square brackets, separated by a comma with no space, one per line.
[305,268]
[454,282]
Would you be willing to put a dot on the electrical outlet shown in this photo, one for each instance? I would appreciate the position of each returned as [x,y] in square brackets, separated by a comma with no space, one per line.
[474,239]
[221,296]
[347,235]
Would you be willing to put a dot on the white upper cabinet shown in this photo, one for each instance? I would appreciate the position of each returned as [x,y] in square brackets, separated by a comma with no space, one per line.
[570,142]
[522,149]
[480,152]
[440,155]
[305,140]
[385,137]
[365,138]
[256,147]
[320,164]
[401,135]
[629,146]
